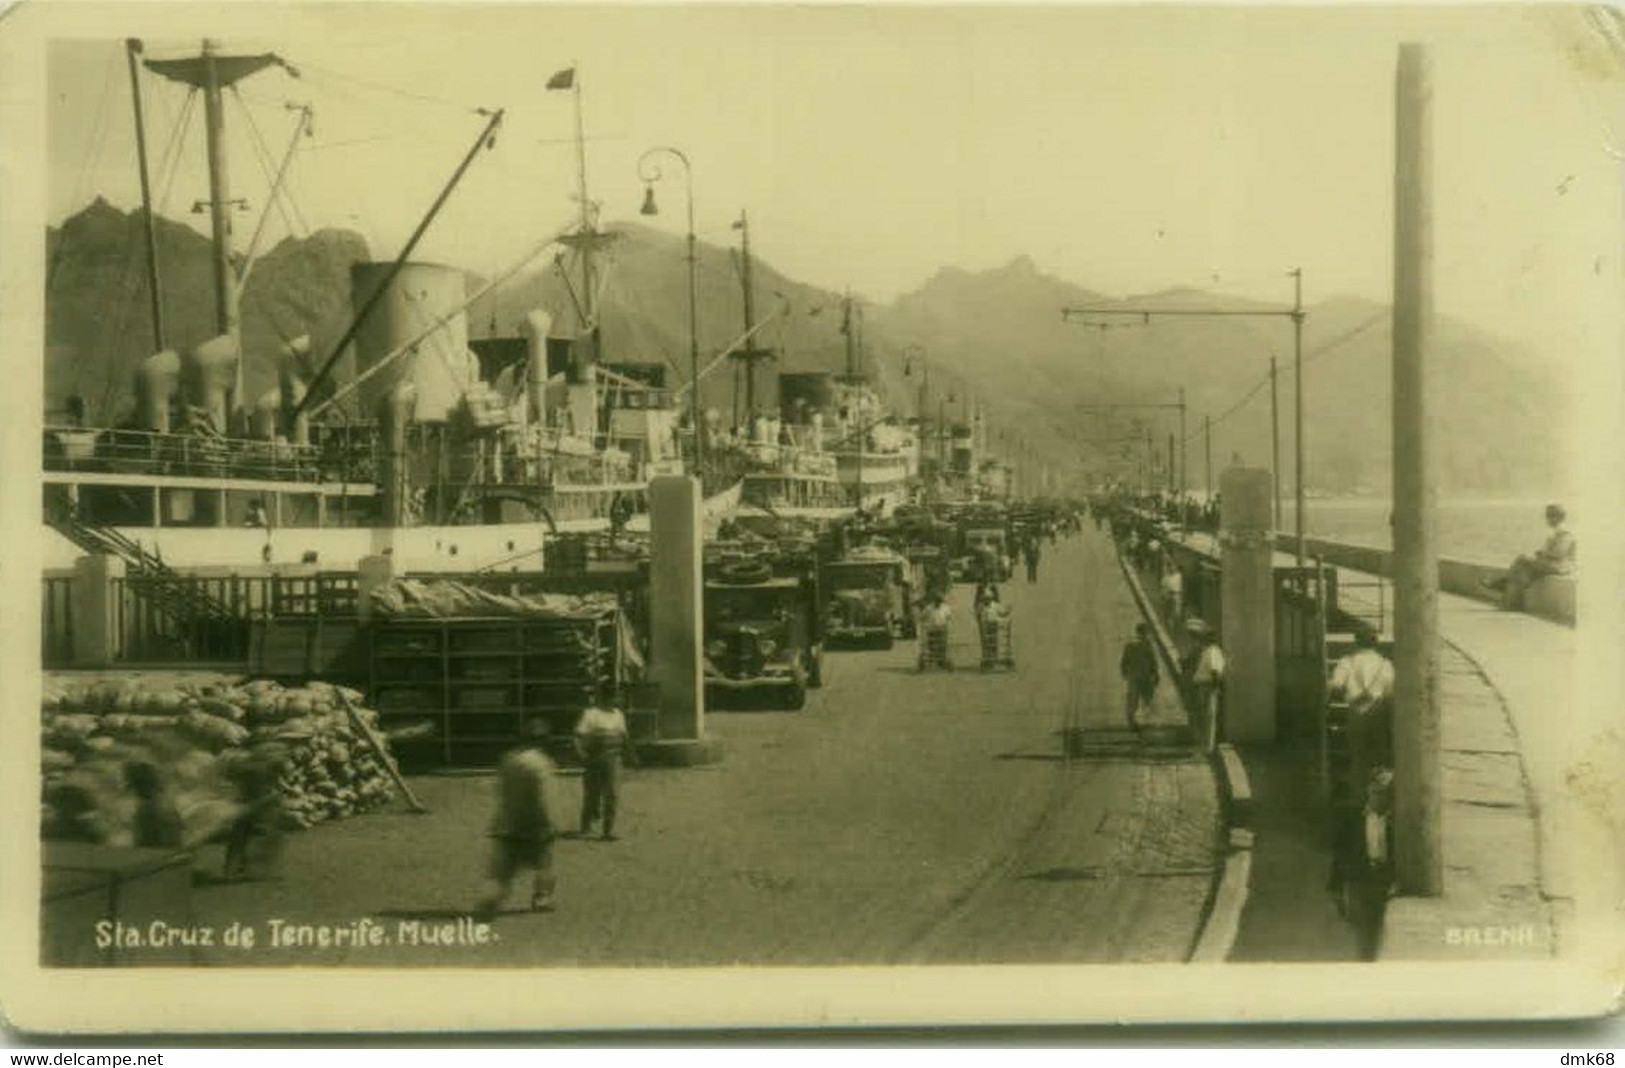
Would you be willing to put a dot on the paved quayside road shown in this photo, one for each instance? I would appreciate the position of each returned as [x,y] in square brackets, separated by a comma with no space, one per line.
[899,818]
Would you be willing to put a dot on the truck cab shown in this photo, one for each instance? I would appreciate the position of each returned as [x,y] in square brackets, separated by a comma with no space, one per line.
[868,598]
[763,643]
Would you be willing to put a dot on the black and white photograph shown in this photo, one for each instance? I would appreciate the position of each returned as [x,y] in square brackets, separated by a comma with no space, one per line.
[807,515]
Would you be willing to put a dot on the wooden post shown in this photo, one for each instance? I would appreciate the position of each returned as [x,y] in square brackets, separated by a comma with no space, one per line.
[1418,853]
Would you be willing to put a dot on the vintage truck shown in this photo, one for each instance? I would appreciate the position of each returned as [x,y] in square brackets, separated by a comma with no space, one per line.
[763,640]
[869,598]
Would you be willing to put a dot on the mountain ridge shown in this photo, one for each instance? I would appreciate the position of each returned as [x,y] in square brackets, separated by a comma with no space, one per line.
[996,334]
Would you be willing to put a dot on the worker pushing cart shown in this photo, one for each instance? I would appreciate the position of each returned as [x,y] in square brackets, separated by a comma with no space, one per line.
[993,624]
[935,618]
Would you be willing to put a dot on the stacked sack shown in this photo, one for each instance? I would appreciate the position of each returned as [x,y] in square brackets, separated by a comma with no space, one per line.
[195,730]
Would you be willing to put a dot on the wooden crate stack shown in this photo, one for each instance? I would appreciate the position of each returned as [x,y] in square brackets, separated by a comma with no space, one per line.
[483,684]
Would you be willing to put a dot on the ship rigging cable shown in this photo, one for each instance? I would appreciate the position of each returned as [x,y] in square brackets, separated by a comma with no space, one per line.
[129,288]
[278,193]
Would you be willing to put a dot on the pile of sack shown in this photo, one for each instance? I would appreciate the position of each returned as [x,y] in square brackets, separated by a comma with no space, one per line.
[195,730]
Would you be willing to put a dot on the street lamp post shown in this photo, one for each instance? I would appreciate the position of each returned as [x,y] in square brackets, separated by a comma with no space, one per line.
[649,173]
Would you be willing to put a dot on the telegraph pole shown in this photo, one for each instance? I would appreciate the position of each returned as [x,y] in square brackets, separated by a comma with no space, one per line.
[1207,446]
[1183,472]
[1275,445]
[1302,508]
[1296,313]
[1419,852]
[1172,470]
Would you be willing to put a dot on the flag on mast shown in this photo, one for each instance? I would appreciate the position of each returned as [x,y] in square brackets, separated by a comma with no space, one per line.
[564,79]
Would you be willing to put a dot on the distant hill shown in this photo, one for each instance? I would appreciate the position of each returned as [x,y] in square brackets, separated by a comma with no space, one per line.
[995,335]
[1498,420]
[97,323]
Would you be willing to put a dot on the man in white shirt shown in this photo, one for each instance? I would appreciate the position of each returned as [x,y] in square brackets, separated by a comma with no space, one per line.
[1555,557]
[1364,679]
[1207,686]
[600,738]
[1173,593]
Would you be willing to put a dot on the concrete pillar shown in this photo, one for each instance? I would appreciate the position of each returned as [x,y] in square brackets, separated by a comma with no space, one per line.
[1247,604]
[95,621]
[371,573]
[677,617]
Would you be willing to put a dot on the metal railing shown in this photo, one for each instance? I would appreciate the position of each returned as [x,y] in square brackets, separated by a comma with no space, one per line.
[144,452]
[154,625]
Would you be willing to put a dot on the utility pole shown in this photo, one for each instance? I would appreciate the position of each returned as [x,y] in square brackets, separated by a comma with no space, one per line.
[1296,313]
[1182,461]
[1172,471]
[132,48]
[1418,853]
[1275,445]
[1207,445]
[1302,506]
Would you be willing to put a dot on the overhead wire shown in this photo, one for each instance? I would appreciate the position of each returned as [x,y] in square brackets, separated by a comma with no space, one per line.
[1309,357]
[324,73]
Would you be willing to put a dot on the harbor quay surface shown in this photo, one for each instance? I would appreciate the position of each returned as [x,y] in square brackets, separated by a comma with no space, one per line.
[902,817]
[1510,823]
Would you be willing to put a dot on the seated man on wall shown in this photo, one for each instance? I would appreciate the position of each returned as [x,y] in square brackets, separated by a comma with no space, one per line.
[1556,557]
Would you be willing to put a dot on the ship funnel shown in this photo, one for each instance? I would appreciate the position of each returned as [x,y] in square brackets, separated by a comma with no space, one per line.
[395,414]
[157,380]
[292,386]
[536,328]
[438,365]
[210,375]
[263,422]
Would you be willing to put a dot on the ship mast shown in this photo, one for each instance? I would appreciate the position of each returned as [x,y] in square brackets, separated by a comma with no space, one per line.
[132,49]
[749,354]
[212,72]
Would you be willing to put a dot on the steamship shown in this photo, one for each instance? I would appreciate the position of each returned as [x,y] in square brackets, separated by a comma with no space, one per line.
[461,456]
[450,454]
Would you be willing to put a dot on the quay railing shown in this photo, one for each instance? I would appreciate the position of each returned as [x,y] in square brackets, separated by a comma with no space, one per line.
[153,623]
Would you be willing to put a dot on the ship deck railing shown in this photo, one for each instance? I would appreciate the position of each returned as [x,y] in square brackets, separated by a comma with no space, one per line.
[146,452]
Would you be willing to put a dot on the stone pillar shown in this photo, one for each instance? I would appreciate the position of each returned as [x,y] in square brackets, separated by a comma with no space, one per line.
[95,622]
[372,572]
[676,618]
[1247,604]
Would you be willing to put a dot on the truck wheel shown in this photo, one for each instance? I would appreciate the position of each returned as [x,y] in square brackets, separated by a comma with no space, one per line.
[795,698]
[886,640]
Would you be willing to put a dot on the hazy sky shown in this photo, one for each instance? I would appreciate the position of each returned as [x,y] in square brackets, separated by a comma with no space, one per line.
[1127,149]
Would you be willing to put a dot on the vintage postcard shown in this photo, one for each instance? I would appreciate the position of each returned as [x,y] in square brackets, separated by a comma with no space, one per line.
[546,516]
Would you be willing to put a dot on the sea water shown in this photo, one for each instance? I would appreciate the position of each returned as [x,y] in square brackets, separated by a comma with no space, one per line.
[1474,529]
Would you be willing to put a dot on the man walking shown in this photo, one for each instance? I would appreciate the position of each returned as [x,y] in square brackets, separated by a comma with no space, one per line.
[1032,559]
[523,830]
[600,740]
[1138,666]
